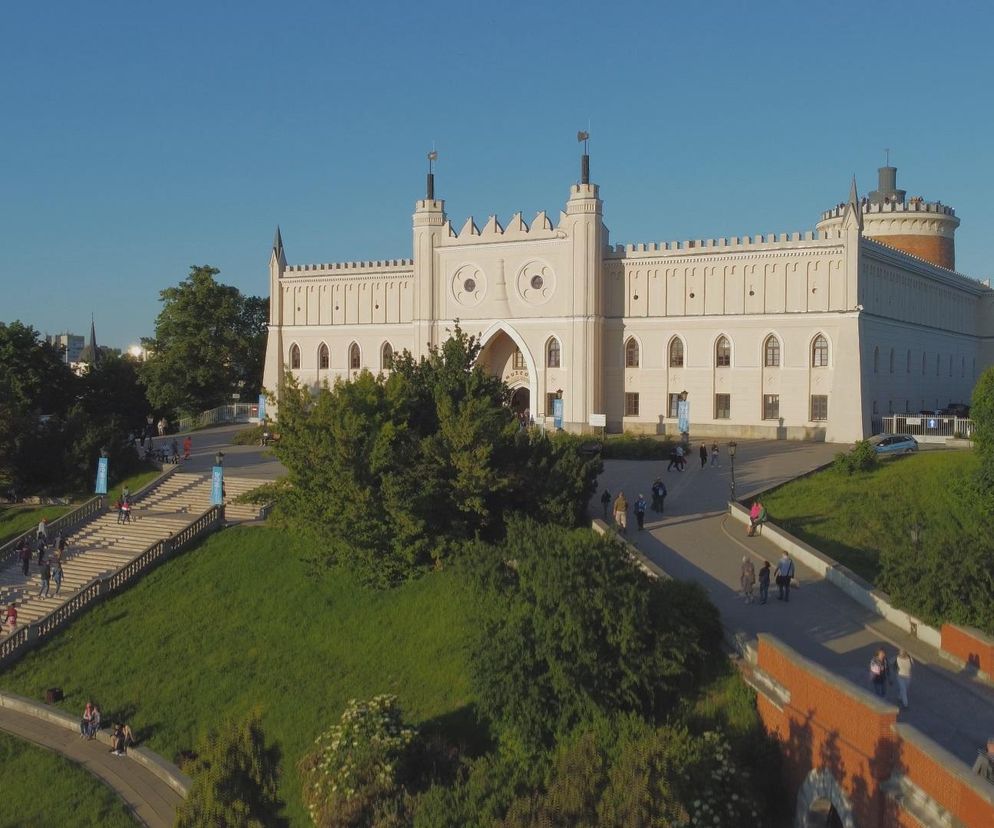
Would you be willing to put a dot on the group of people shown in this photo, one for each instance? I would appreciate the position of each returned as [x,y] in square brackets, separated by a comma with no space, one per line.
[123,506]
[89,726]
[678,456]
[620,506]
[50,567]
[883,672]
[783,575]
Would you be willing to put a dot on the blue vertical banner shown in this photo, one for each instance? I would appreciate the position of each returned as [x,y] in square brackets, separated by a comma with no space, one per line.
[217,485]
[557,412]
[101,476]
[262,406]
[683,416]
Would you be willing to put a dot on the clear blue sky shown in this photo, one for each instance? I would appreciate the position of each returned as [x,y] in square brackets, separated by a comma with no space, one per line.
[138,139]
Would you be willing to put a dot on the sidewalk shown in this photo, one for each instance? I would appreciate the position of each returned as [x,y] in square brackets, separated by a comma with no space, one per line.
[696,540]
[151,800]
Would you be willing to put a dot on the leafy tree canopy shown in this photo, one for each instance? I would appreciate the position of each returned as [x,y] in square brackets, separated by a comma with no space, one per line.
[570,629]
[392,473]
[982,414]
[208,338]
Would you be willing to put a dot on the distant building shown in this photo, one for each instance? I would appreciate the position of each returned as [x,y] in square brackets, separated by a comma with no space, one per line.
[811,335]
[71,345]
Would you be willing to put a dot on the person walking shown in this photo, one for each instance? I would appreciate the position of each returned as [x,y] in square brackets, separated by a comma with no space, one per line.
[673,460]
[42,529]
[621,513]
[747,578]
[902,665]
[25,556]
[57,574]
[46,579]
[10,619]
[879,673]
[704,455]
[187,446]
[764,582]
[162,427]
[714,455]
[681,458]
[640,505]
[605,502]
[785,574]
[658,495]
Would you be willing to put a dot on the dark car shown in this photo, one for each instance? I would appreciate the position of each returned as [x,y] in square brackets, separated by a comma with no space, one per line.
[894,444]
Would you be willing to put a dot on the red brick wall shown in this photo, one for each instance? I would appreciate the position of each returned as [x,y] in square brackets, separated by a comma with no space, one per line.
[935,249]
[970,646]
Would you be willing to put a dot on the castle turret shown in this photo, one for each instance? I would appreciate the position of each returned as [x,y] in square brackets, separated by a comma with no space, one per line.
[273,369]
[428,224]
[922,228]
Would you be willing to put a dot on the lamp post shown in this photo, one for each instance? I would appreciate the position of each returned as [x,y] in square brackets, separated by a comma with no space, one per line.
[732,446]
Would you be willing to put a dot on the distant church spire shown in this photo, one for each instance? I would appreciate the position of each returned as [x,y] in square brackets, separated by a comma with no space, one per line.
[278,243]
[90,354]
[854,210]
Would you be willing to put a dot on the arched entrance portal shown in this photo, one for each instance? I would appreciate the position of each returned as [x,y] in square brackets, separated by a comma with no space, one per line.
[505,355]
[821,803]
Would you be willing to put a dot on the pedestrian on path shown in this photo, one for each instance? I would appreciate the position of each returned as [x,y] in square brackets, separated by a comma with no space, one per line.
[57,574]
[764,582]
[984,764]
[879,673]
[46,579]
[41,551]
[674,460]
[658,495]
[681,458]
[84,720]
[747,578]
[621,513]
[704,455]
[10,619]
[902,665]
[25,555]
[714,455]
[640,505]
[785,574]
[605,502]
[43,529]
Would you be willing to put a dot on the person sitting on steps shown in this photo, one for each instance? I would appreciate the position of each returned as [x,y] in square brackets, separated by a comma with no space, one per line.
[757,517]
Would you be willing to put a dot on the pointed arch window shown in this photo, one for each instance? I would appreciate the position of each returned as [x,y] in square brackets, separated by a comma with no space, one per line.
[819,353]
[723,352]
[355,357]
[324,359]
[294,357]
[631,353]
[771,350]
[386,356]
[518,360]
[552,353]
[676,353]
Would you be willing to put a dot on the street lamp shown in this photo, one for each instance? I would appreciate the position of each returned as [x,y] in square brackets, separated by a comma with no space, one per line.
[732,446]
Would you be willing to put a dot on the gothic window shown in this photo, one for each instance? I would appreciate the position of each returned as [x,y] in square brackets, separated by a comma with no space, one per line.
[676,353]
[294,357]
[819,353]
[772,352]
[631,353]
[386,356]
[323,356]
[723,352]
[552,355]
[518,360]
[355,358]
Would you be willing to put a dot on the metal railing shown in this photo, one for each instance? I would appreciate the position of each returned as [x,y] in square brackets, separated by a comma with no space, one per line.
[81,514]
[928,428]
[30,635]
[233,413]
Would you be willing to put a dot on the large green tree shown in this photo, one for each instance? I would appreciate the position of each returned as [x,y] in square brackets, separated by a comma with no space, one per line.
[209,343]
[570,629]
[982,414]
[392,473]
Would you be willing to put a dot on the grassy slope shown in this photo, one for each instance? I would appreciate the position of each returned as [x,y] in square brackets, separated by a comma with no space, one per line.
[853,518]
[241,621]
[17,519]
[41,789]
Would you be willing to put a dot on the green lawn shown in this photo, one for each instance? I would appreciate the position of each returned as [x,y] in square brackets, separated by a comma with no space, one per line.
[17,519]
[41,789]
[241,621]
[854,518]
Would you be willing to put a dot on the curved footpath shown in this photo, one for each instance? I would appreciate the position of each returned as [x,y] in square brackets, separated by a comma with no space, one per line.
[696,540]
[151,787]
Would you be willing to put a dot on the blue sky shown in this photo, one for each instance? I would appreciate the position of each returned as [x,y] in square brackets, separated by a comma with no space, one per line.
[138,139]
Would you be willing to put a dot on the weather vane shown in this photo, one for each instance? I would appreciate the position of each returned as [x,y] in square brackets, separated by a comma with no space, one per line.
[583,136]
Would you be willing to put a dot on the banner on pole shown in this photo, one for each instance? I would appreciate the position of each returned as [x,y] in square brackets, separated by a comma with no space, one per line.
[101,476]
[683,416]
[217,485]
[557,412]
[262,406]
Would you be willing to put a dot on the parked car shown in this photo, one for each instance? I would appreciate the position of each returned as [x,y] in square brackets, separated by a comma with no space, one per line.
[894,444]
[961,410]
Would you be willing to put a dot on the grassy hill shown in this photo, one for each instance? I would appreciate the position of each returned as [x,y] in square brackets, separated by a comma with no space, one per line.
[242,621]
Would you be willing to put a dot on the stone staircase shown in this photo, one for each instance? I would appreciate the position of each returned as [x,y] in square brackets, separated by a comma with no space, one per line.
[102,545]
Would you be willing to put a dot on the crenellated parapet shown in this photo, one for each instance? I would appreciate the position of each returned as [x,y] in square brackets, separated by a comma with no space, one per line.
[914,205]
[730,245]
[517,229]
[384,266]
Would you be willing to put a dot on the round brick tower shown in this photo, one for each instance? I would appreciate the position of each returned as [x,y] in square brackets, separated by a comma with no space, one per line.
[922,228]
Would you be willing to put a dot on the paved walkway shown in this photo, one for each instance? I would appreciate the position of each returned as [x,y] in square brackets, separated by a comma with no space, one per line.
[697,540]
[150,799]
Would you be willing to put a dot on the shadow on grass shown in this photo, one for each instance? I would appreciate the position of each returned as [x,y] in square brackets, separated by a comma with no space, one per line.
[463,729]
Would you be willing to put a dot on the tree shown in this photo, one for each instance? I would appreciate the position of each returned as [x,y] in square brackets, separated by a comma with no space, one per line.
[393,473]
[569,628]
[234,779]
[208,339]
[982,414]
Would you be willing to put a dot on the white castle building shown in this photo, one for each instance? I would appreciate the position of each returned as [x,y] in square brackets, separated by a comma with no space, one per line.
[802,336]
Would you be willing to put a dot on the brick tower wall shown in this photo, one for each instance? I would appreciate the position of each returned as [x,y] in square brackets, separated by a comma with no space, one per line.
[939,250]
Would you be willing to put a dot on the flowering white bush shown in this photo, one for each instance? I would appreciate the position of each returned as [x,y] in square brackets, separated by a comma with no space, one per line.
[355,774]
[721,799]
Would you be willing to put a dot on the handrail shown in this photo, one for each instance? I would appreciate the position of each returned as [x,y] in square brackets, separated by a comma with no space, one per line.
[93,506]
[30,635]
[230,413]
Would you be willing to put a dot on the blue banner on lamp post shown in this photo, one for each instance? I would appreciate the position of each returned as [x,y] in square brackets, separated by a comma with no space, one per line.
[101,487]
[262,407]
[557,412]
[683,416]
[217,485]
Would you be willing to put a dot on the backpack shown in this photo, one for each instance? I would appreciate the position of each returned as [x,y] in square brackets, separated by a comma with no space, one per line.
[876,668]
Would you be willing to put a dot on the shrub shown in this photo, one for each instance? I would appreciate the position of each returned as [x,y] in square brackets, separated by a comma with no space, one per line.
[250,436]
[357,772]
[636,447]
[862,458]
[234,780]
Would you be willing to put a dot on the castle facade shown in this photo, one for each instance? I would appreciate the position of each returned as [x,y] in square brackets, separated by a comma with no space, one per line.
[809,335]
